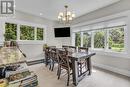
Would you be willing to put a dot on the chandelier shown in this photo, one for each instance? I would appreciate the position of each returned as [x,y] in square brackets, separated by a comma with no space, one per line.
[66,16]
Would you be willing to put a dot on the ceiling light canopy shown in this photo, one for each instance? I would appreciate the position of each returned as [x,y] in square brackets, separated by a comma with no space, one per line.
[67,16]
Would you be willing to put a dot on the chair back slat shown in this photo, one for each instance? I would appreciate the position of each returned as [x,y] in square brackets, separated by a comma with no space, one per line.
[83,49]
[63,59]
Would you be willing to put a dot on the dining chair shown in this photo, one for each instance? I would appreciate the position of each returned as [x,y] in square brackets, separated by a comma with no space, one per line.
[72,48]
[64,64]
[82,63]
[47,55]
[53,57]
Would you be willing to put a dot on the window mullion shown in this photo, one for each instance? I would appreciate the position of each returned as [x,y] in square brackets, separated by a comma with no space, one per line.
[35,33]
[92,40]
[18,32]
[106,40]
[81,39]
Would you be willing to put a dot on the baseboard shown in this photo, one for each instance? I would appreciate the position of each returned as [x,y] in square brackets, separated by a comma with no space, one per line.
[113,69]
[35,62]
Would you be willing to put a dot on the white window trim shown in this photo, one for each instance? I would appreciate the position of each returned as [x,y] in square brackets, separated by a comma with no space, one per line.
[104,52]
[19,22]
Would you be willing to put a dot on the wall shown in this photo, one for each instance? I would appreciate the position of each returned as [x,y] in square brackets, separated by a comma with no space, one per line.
[32,49]
[62,40]
[116,64]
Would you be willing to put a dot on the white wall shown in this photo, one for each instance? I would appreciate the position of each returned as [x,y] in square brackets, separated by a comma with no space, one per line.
[32,49]
[116,64]
[62,40]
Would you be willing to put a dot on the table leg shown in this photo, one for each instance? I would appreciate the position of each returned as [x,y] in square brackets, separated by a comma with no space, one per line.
[89,65]
[75,72]
[46,60]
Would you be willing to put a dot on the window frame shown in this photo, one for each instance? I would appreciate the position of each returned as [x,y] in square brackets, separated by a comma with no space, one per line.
[106,37]
[18,23]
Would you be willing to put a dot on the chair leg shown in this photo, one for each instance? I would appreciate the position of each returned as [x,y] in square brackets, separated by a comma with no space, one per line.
[52,65]
[59,73]
[68,78]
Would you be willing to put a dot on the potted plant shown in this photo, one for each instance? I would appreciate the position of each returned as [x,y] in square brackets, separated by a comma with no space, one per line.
[45,46]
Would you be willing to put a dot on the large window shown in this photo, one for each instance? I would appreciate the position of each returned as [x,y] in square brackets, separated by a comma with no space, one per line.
[87,39]
[99,39]
[116,39]
[26,32]
[78,39]
[107,38]
[40,33]
[10,31]
[23,32]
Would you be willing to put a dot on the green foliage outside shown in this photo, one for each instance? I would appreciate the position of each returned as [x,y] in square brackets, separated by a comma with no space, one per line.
[40,32]
[116,39]
[78,39]
[10,31]
[26,32]
[87,39]
[99,39]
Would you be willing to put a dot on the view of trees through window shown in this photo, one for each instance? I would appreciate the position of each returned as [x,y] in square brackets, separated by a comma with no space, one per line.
[78,39]
[87,39]
[26,32]
[112,38]
[99,39]
[10,31]
[116,39]
[40,33]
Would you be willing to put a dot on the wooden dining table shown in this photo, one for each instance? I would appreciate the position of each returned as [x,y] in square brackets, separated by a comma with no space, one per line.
[75,58]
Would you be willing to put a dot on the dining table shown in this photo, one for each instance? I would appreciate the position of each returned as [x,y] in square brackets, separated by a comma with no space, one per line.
[75,58]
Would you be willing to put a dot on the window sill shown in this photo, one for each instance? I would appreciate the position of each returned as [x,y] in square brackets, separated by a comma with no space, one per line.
[30,42]
[103,52]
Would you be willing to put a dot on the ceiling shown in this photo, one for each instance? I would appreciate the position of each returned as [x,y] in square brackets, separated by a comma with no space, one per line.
[51,8]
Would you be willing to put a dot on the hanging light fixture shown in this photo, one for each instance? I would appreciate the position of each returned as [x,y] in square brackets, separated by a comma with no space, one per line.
[67,16]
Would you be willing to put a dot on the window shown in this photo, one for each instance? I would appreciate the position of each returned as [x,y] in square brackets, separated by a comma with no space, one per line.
[107,38]
[14,31]
[40,33]
[99,39]
[87,39]
[10,31]
[77,39]
[116,39]
[26,32]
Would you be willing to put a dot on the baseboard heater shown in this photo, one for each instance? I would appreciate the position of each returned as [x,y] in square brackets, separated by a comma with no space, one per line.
[35,62]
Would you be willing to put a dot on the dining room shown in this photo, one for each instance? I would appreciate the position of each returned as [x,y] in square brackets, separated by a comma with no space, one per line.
[64,43]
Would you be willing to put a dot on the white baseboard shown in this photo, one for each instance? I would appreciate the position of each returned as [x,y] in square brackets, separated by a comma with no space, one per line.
[113,69]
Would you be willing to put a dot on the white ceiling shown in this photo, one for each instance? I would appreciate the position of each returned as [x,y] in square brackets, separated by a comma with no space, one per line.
[51,8]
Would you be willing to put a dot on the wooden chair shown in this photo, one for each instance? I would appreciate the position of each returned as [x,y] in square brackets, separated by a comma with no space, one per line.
[72,48]
[53,57]
[47,55]
[64,63]
[82,63]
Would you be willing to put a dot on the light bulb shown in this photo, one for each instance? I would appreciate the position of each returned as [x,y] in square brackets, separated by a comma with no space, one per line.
[59,17]
[73,15]
[61,14]
[68,13]
[70,18]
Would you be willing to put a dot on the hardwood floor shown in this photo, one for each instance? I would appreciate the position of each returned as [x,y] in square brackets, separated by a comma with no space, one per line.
[99,78]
